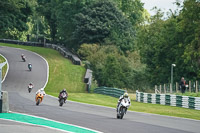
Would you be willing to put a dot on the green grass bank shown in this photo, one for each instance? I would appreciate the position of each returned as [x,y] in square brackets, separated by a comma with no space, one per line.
[64,74]
[4,67]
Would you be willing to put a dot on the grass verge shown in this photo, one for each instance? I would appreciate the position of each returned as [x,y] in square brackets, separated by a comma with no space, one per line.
[192,94]
[71,78]
[4,67]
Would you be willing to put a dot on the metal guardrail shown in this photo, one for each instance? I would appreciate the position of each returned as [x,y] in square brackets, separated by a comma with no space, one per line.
[167,99]
[114,92]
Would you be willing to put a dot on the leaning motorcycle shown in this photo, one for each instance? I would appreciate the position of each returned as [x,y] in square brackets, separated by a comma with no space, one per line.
[62,98]
[30,67]
[39,98]
[122,108]
[30,87]
[23,58]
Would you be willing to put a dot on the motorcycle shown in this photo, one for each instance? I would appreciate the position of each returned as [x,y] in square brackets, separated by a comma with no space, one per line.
[62,98]
[30,67]
[122,108]
[30,87]
[23,58]
[39,98]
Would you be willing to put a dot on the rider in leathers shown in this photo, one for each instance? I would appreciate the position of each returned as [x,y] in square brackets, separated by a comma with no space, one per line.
[41,91]
[125,95]
[63,91]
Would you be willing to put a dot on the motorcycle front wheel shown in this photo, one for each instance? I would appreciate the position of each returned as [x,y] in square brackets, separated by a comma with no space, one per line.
[29,90]
[61,102]
[122,111]
[38,101]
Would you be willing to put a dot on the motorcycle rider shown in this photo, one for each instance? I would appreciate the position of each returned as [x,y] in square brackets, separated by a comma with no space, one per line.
[125,95]
[30,84]
[23,57]
[41,91]
[29,65]
[63,91]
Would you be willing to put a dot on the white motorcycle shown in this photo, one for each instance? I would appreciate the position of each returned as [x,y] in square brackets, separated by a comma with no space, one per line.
[122,108]
[30,87]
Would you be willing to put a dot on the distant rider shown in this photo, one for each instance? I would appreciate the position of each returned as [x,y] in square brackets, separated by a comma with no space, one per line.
[63,91]
[30,85]
[124,96]
[29,65]
[23,57]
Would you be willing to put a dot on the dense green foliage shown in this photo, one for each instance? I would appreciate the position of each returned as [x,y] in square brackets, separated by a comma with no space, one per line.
[112,68]
[175,40]
[100,22]
[13,18]
[114,36]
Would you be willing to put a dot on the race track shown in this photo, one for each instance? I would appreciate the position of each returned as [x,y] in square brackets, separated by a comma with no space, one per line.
[94,117]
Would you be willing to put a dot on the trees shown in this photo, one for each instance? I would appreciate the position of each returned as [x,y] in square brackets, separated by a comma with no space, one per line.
[47,8]
[13,18]
[66,12]
[102,22]
[189,27]
[174,40]
[111,68]
[133,10]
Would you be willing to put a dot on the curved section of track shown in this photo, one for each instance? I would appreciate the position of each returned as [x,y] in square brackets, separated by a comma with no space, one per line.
[89,116]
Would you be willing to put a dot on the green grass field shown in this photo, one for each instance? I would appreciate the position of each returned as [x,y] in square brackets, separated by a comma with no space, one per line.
[64,74]
[4,67]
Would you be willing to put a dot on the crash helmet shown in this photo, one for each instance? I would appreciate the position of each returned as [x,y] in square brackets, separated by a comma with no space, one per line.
[64,89]
[125,95]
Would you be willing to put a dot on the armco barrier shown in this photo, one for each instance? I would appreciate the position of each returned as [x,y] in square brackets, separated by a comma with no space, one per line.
[167,99]
[59,48]
[114,92]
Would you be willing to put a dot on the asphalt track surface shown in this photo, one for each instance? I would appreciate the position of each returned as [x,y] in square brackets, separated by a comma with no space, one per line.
[94,117]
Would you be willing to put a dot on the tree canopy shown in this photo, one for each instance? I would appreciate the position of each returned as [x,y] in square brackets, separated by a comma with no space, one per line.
[13,18]
[122,44]
[103,21]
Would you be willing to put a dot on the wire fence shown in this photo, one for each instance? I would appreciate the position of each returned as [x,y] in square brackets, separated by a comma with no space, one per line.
[191,86]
